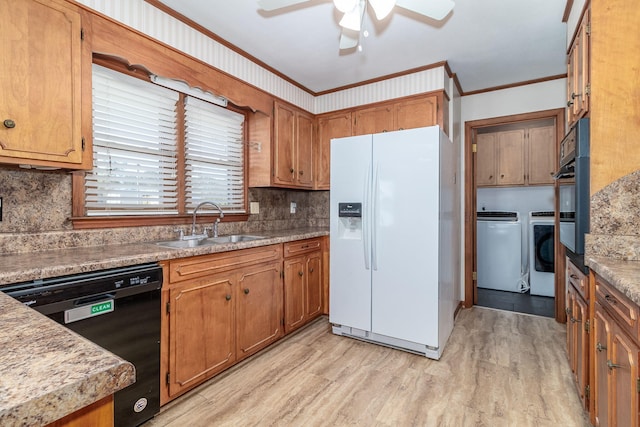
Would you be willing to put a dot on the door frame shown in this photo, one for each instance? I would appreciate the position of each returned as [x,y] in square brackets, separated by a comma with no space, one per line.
[470,259]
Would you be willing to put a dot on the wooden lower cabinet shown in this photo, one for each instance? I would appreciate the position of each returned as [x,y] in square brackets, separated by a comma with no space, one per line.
[259,298]
[616,348]
[578,341]
[303,288]
[220,309]
[98,414]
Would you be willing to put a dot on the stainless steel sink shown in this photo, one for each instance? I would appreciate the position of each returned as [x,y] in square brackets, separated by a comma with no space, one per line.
[234,238]
[196,243]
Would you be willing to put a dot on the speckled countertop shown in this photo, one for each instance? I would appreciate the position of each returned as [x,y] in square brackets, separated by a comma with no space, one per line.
[622,274]
[47,370]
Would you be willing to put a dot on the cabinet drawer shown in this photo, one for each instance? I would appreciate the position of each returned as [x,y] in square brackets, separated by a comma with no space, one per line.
[198,266]
[618,305]
[301,247]
[578,279]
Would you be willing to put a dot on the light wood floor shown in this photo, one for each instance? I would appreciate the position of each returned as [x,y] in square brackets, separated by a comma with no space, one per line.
[498,369]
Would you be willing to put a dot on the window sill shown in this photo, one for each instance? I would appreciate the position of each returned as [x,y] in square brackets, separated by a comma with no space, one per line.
[85,223]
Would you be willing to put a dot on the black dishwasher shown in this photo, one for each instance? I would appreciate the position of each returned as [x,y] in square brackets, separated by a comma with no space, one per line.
[118,309]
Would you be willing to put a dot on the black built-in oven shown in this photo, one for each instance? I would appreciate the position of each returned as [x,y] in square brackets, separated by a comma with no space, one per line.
[574,190]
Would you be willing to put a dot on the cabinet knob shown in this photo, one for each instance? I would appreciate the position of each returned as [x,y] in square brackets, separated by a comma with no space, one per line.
[227,297]
[568,311]
[574,320]
[9,124]
[490,176]
[569,103]
[246,291]
[291,170]
[501,176]
[300,273]
[311,270]
[600,347]
[610,299]
[301,172]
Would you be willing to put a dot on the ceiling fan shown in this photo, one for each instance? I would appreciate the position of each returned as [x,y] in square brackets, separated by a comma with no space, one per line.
[354,10]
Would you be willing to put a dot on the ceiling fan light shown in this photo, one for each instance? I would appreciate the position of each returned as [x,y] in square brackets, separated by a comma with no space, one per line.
[382,8]
[352,20]
[345,6]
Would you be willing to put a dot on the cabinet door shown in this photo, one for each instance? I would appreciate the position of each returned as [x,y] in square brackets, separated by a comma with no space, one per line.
[542,155]
[313,285]
[600,386]
[511,162]
[623,393]
[303,173]
[373,120]
[329,127]
[284,134]
[571,328]
[40,104]
[417,113]
[201,338]
[294,293]
[259,313]
[486,159]
[581,316]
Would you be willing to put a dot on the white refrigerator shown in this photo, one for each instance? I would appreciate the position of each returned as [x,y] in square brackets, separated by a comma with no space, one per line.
[393,244]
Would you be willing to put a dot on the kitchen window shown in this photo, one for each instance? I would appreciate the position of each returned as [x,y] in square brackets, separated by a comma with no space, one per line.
[157,153]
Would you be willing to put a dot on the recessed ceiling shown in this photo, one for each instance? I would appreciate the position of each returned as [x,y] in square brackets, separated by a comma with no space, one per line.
[487,43]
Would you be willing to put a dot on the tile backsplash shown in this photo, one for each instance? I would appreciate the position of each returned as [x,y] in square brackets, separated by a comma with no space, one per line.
[37,207]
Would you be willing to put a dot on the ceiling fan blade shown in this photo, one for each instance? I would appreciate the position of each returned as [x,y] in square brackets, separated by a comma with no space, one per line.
[353,19]
[382,8]
[270,5]
[348,41]
[436,9]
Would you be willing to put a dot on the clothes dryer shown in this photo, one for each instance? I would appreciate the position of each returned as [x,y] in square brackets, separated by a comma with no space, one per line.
[541,253]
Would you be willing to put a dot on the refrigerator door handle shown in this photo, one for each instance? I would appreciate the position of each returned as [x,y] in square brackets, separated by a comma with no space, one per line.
[365,219]
[374,226]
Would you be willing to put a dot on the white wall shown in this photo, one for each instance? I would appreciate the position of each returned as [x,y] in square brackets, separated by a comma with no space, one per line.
[523,99]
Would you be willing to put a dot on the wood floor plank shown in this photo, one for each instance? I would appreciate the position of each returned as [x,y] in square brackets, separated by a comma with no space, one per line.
[498,369]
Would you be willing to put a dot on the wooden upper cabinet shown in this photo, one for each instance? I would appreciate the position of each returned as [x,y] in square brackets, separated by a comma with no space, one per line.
[578,72]
[287,161]
[304,150]
[41,91]
[515,157]
[409,113]
[417,113]
[373,120]
[329,127]
[485,168]
[542,155]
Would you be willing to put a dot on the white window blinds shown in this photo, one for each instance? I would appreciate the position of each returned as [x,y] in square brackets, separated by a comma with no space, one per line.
[214,153]
[134,147]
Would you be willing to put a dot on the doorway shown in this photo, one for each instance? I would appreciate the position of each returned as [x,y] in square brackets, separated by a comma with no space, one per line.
[517,182]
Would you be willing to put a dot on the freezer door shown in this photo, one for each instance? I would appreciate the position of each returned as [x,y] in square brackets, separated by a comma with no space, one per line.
[350,252]
[405,205]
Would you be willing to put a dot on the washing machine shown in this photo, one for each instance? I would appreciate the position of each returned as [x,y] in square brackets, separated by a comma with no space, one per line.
[541,253]
[499,250]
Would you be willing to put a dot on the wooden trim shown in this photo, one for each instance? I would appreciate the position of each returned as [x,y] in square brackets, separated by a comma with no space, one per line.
[567,11]
[381,78]
[87,222]
[512,85]
[456,81]
[470,297]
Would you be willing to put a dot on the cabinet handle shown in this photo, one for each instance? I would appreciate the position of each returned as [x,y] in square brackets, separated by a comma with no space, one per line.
[575,95]
[569,103]
[574,320]
[600,347]
[9,124]
[610,299]
[227,297]
[300,273]
[612,365]
[568,311]
[573,276]
[246,291]
[311,270]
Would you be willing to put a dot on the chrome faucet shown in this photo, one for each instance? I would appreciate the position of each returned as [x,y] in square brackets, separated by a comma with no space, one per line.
[215,224]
